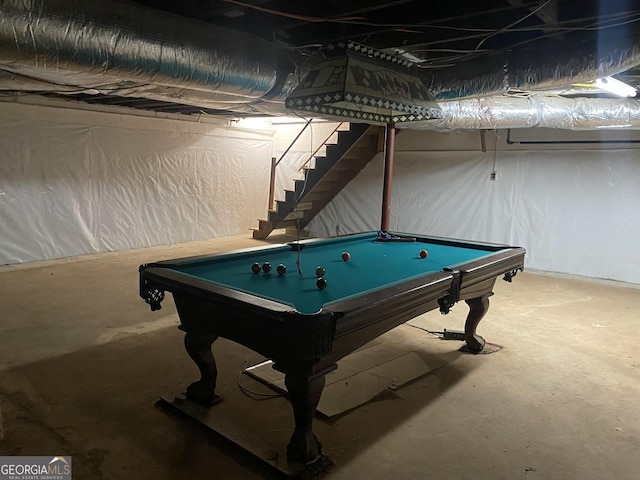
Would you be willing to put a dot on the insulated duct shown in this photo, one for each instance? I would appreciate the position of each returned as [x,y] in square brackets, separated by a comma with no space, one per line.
[502,112]
[524,70]
[118,48]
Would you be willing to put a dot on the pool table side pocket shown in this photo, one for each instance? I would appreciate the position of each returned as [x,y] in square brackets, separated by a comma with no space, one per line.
[366,318]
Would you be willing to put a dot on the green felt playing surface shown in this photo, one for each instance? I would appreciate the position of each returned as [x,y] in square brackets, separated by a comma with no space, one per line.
[373,265]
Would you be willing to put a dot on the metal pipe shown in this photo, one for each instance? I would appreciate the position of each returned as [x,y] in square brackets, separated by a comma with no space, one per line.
[564,142]
[294,141]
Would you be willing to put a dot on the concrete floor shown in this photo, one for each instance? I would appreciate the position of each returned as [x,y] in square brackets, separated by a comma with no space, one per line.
[83,361]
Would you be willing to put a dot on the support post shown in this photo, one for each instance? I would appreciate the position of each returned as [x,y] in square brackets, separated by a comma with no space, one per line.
[388,176]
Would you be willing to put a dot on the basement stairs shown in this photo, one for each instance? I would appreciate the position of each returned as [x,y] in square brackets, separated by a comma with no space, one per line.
[342,161]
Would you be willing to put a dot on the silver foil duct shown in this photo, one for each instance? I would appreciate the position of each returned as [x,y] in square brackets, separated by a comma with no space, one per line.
[122,49]
[523,71]
[119,48]
[501,112]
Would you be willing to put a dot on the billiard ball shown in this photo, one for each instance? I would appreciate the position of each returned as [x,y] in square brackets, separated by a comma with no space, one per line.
[320,272]
[282,268]
[424,254]
[255,268]
[321,283]
[266,267]
[346,256]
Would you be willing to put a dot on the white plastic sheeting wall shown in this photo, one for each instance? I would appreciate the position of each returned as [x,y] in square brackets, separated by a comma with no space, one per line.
[575,211]
[75,183]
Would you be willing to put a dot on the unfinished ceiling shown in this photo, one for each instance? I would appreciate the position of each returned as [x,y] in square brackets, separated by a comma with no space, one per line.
[489,64]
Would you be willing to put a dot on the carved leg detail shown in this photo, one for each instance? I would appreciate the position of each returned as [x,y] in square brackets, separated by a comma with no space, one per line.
[305,395]
[477,309]
[199,349]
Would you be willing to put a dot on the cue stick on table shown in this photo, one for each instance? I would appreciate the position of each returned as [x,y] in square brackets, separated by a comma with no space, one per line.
[388,176]
[298,263]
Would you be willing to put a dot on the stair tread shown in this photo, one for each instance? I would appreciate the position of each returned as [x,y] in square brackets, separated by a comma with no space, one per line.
[343,161]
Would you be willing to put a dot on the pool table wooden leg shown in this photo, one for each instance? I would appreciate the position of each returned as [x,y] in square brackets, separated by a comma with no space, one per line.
[477,309]
[198,347]
[304,394]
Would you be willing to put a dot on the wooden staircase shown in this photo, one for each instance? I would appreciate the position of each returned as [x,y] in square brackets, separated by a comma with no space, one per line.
[342,162]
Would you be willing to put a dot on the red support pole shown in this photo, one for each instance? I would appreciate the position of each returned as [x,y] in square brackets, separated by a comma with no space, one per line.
[388,176]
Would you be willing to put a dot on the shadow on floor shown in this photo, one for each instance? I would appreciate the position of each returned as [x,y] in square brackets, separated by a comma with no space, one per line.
[97,404]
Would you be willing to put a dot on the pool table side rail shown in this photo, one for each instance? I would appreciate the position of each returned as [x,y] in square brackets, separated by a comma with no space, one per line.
[467,274]
[164,276]
[377,305]
[454,242]
[249,253]
[476,279]
[503,262]
[198,260]
[158,277]
[384,309]
[486,246]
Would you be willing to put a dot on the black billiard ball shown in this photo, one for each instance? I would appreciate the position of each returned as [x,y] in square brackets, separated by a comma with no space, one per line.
[424,254]
[266,267]
[346,256]
[282,268]
[320,272]
[255,268]
[321,283]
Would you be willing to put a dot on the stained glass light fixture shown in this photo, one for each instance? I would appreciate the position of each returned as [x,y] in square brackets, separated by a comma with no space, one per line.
[357,83]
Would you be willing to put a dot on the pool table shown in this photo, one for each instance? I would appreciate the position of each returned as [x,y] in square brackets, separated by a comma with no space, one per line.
[305,329]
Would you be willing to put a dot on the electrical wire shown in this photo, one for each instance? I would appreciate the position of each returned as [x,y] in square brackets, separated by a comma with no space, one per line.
[253,394]
[514,45]
[435,334]
[294,16]
[362,21]
[502,30]
[559,28]
[598,26]
[495,33]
